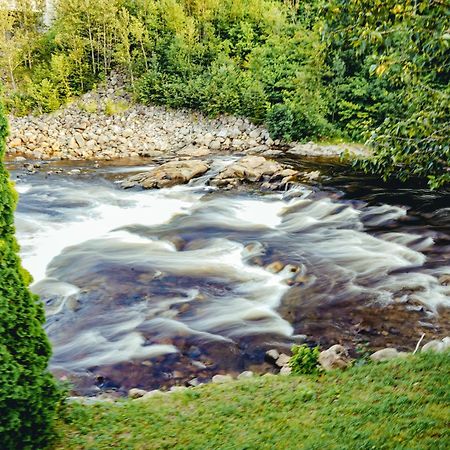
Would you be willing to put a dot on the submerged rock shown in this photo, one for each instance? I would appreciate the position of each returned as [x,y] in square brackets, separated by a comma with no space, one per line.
[336,357]
[168,174]
[386,354]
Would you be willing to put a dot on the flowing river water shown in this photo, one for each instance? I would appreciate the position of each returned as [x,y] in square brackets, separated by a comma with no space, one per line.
[153,288]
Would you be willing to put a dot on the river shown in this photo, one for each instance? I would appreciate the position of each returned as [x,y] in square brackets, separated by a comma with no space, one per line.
[153,288]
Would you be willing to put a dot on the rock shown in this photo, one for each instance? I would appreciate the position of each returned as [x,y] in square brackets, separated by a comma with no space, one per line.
[219,379]
[20,159]
[386,354]
[336,357]
[194,382]
[245,374]
[437,346]
[283,360]
[15,142]
[272,354]
[285,370]
[275,267]
[178,388]
[74,172]
[136,393]
[168,174]
[248,169]
[150,394]
[445,280]
[79,139]
[215,145]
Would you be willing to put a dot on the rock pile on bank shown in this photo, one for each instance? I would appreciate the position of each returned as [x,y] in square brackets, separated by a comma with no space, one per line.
[105,125]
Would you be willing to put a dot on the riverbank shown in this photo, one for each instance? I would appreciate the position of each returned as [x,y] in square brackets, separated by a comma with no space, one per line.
[106,125]
[399,404]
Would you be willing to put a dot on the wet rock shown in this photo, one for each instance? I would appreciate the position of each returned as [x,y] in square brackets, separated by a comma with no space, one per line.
[220,379]
[275,267]
[386,354]
[445,280]
[136,393]
[272,355]
[168,174]
[247,169]
[283,360]
[245,374]
[336,357]
[437,346]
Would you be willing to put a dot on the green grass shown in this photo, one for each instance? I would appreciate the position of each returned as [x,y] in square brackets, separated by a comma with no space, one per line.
[403,404]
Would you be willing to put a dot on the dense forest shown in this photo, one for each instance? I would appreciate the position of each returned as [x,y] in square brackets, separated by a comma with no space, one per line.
[368,71]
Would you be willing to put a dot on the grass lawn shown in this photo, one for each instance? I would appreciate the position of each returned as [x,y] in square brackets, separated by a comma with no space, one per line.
[403,404]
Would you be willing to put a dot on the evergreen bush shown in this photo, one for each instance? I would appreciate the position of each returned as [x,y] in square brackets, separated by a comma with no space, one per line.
[28,393]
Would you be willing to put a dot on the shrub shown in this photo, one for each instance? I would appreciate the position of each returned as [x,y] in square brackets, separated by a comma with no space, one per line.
[304,360]
[28,393]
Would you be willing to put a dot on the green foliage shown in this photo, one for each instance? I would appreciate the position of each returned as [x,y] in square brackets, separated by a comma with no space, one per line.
[389,74]
[304,360]
[400,404]
[375,71]
[28,394]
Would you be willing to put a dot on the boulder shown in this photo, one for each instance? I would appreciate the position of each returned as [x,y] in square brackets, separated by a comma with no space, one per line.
[437,346]
[386,354]
[247,169]
[168,174]
[336,357]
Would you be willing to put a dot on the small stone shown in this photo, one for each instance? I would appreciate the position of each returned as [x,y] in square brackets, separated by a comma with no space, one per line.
[20,159]
[283,360]
[136,393]
[245,374]
[386,354]
[194,382]
[285,370]
[272,354]
[219,379]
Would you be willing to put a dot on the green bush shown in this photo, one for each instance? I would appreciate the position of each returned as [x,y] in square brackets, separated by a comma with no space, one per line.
[28,393]
[304,360]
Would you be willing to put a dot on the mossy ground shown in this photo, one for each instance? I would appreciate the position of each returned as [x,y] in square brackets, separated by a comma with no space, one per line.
[403,404]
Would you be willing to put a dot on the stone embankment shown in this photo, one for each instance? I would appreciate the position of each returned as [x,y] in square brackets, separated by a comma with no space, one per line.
[105,125]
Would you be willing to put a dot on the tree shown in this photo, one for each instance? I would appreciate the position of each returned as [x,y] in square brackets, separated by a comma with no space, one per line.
[28,393]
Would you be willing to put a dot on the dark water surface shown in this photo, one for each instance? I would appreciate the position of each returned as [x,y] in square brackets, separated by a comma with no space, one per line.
[151,288]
